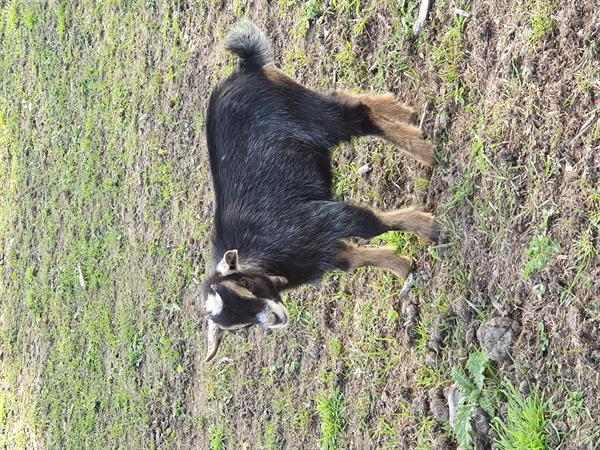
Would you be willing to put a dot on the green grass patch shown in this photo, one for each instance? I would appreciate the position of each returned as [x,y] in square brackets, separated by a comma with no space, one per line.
[539,253]
[542,22]
[331,409]
[526,422]
[216,436]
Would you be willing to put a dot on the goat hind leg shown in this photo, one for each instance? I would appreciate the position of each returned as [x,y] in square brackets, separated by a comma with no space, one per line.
[388,119]
[387,106]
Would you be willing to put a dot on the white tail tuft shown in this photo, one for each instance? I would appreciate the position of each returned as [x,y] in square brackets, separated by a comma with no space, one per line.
[248,42]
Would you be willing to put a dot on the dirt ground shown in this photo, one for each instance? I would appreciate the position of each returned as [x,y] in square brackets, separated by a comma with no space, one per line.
[508,92]
[525,105]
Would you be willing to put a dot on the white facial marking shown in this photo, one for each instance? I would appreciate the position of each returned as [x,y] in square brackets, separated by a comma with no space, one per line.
[263,318]
[214,304]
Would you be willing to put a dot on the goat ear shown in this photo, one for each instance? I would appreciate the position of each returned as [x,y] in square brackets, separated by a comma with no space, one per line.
[229,263]
[278,282]
[214,337]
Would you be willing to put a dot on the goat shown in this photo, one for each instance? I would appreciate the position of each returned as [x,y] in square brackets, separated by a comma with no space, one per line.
[276,225]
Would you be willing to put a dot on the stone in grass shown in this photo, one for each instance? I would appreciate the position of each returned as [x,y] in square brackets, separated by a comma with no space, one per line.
[421,405]
[439,410]
[482,422]
[496,337]
[365,169]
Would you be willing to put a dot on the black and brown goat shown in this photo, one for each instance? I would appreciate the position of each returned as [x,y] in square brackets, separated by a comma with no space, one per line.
[276,225]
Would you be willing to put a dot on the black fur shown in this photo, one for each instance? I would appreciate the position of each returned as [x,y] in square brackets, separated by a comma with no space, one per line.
[269,145]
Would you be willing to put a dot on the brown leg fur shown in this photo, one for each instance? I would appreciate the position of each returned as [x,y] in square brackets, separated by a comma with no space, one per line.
[407,137]
[356,256]
[392,119]
[386,106]
[412,220]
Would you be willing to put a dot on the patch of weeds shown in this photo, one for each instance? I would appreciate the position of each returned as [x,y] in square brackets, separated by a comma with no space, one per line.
[526,421]
[462,190]
[336,347]
[352,71]
[216,436]
[385,434]
[575,405]
[353,7]
[270,436]
[594,135]
[539,253]
[345,180]
[543,336]
[300,313]
[294,61]
[425,433]
[301,420]
[405,12]
[479,156]
[448,54]
[428,376]
[541,20]
[404,243]
[332,412]
[311,12]
[217,387]
[471,388]
[594,211]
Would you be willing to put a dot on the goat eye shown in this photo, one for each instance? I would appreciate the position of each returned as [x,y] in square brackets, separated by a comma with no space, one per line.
[243,283]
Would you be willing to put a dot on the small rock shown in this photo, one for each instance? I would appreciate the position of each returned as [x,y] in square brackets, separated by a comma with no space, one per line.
[438,334]
[462,309]
[574,319]
[453,401]
[442,443]
[439,410]
[561,426]
[524,388]
[365,169]
[441,123]
[411,313]
[470,335]
[406,394]
[421,405]
[496,337]
[431,359]
[482,421]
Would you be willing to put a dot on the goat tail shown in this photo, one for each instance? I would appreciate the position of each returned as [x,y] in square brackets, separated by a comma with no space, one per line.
[248,42]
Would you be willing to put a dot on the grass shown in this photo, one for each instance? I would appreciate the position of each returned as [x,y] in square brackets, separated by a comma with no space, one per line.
[542,22]
[448,56]
[70,248]
[216,434]
[105,205]
[539,253]
[526,422]
[332,413]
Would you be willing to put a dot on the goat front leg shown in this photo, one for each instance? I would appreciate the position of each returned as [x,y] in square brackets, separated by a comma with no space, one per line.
[351,257]
[412,220]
